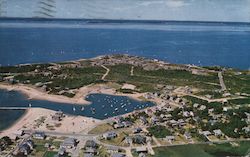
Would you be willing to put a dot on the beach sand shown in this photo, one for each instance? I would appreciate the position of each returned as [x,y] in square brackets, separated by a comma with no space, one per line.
[69,124]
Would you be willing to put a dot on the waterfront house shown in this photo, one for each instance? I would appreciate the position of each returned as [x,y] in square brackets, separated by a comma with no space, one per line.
[217,132]
[205,133]
[170,138]
[187,135]
[69,143]
[109,135]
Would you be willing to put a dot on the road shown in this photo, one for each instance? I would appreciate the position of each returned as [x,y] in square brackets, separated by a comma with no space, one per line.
[107,72]
[222,84]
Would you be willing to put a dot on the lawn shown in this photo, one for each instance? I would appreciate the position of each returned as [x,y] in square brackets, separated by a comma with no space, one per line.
[159,131]
[102,128]
[215,150]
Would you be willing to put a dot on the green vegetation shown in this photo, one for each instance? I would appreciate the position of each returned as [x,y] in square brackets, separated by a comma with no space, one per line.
[240,101]
[102,128]
[159,131]
[237,83]
[215,150]
[147,80]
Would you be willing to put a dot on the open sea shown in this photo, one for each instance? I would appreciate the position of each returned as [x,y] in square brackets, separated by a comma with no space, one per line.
[41,41]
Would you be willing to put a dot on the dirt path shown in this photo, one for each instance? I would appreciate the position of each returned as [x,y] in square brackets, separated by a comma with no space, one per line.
[107,72]
[132,71]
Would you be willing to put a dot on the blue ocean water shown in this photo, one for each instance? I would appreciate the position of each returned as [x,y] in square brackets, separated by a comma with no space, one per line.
[103,105]
[29,41]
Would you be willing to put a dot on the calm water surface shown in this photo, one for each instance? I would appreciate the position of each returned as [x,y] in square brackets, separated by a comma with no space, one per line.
[101,107]
[189,43]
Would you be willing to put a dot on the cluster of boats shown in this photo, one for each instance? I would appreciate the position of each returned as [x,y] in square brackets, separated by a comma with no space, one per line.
[116,105]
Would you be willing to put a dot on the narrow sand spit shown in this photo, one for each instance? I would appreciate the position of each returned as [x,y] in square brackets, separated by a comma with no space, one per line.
[34,93]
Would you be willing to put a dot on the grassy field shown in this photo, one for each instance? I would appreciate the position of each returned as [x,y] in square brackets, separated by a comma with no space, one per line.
[146,80]
[101,129]
[237,83]
[159,131]
[215,150]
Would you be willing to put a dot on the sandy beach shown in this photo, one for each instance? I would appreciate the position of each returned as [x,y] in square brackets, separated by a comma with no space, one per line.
[69,124]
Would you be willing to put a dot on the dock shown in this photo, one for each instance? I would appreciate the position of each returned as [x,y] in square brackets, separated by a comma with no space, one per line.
[13,108]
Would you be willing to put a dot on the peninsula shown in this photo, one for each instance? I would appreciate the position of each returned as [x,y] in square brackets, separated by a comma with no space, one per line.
[193,106]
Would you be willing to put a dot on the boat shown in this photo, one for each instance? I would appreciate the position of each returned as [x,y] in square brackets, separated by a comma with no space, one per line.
[116,109]
[74,109]
[82,108]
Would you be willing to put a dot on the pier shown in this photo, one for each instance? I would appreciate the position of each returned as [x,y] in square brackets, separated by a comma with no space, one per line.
[14,108]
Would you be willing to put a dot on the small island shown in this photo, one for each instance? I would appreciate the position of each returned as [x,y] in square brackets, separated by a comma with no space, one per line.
[194,106]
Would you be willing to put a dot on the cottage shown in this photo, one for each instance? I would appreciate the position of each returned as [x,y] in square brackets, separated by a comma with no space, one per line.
[118,155]
[26,147]
[205,133]
[109,135]
[143,120]
[112,150]
[141,150]
[187,135]
[91,151]
[139,139]
[170,138]
[39,135]
[119,125]
[217,132]
[90,144]
[69,143]
[137,130]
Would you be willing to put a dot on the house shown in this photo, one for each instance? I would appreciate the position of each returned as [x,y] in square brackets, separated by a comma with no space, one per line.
[141,150]
[61,152]
[137,130]
[112,150]
[26,147]
[139,139]
[217,132]
[143,120]
[69,143]
[170,138]
[109,135]
[39,135]
[205,133]
[90,144]
[88,155]
[118,155]
[119,125]
[91,151]
[187,135]
[127,123]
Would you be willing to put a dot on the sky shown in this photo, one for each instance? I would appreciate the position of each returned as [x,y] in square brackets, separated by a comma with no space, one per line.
[180,10]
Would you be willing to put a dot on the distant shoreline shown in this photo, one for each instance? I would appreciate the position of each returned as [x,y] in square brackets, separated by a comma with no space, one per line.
[79,98]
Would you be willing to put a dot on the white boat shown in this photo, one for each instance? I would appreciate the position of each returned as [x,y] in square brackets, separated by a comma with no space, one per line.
[82,108]
[74,109]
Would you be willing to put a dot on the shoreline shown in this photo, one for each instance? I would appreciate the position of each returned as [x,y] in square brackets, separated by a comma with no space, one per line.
[16,121]
[28,122]
[80,97]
